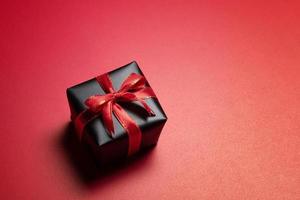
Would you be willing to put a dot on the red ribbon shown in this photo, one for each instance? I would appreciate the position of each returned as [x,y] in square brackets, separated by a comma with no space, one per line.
[133,88]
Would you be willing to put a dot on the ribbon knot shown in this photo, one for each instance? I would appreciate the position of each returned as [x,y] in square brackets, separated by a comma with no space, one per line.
[117,95]
[133,89]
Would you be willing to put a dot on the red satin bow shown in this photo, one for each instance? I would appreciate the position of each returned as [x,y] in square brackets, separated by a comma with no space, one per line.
[132,89]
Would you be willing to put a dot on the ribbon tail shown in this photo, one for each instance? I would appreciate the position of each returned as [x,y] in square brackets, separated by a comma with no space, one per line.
[145,93]
[147,108]
[132,129]
[107,118]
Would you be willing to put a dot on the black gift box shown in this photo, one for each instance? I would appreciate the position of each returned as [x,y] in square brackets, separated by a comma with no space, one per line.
[105,147]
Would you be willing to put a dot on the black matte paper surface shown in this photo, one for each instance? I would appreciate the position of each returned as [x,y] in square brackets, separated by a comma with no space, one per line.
[105,147]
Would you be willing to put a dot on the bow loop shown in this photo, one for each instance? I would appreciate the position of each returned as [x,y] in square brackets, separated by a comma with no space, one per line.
[133,82]
[97,102]
[130,97]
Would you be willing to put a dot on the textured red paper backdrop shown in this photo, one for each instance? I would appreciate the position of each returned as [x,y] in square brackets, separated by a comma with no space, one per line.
[227,75]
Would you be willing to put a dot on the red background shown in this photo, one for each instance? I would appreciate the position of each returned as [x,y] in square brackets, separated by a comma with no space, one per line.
[226,73]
